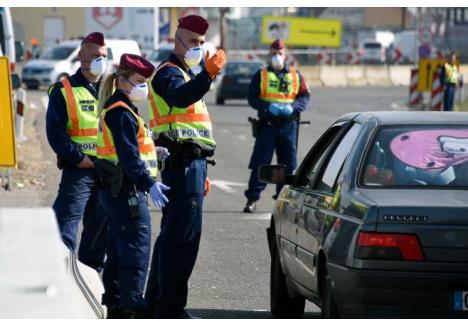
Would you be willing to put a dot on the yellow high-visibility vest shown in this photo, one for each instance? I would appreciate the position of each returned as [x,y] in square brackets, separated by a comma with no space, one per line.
[451,71]
[106,146]
[190,123]
[82,121]
[270,86]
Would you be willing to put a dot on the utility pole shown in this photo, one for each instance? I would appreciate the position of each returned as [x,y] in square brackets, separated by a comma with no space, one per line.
[222,27]
[403,18]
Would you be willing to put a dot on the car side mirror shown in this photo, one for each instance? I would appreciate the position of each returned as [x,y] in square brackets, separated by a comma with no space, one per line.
[15,81]
[75,59]
[275,174]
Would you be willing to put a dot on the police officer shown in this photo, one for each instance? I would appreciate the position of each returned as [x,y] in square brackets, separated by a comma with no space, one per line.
[278,93]
[180,121]
[450,81]
[124,141]
[71,126]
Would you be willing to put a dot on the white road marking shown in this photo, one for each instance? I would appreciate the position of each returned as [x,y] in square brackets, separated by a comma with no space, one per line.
[254,216]
[226,186]
[44,101]
[398,107]
[242,137]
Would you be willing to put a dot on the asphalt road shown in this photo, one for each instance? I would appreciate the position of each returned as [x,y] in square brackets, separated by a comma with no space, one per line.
[231,277]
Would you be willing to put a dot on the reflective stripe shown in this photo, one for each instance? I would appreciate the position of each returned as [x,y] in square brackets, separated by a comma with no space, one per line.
[83,147]
[165,118]
[179,133]
[190,116]
[75,130]
[106,146]
[265,94]
[264,82]
[109,149]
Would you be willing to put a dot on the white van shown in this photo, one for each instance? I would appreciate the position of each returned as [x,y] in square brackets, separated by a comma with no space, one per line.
[7,39]
[372,52]
[61,61]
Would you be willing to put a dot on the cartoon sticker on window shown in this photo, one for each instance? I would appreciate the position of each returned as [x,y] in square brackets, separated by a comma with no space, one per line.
[431,149]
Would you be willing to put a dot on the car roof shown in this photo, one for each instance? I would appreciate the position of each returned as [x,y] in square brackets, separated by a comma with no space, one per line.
[408,117]
[70,43]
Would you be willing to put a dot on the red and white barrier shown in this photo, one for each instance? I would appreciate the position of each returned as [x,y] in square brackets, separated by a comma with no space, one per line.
[436,92]
[397,56]
[20,98]
[415,97]
[324,58]
[354,58]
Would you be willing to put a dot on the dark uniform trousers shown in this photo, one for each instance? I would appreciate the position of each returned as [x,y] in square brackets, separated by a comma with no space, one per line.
[176,247]
[449,96]
[77,198]
[281,137]
[128,251]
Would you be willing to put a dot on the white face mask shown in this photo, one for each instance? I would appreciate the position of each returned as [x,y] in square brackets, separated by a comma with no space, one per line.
[277,61]
[193,56]
[139,92]
[98,66]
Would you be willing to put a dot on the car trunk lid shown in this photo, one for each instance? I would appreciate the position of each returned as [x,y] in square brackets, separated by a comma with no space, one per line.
[439,218]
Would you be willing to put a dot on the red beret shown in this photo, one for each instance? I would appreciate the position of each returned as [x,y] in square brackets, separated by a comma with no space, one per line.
[138,64]
[96,38]
[194,23]
[277,45]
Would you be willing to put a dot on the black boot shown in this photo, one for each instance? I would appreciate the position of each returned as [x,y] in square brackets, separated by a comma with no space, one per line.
[124,313]
[115,312]
[250,207]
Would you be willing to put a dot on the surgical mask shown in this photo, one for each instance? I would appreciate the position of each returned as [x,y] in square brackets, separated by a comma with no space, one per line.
[98,66]
[193,56]
[277,61]
[139,92]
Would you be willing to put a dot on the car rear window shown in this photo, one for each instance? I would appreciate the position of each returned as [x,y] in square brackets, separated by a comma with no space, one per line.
[372,45]
[58,53]
[417,156]
[244,69]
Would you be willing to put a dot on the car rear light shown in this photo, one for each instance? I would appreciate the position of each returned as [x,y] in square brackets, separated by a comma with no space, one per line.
[226,81]
[389,246]
[12,67]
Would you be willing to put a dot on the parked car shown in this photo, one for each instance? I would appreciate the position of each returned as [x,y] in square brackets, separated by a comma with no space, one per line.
[374,222]
[372,52]
[61,61]
[161,53]
[235,80]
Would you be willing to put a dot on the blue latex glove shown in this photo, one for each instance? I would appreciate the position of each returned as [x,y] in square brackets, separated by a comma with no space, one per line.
[287,110]
[275,109]
[156,193]
[162,153]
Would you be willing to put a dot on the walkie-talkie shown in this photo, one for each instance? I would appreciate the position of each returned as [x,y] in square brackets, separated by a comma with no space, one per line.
[133,203]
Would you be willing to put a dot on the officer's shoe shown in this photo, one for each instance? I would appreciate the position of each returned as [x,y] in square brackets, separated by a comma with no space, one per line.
[250,207]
